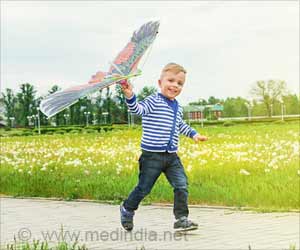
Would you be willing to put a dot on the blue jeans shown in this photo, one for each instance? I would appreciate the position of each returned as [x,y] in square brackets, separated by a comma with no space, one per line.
[151,165]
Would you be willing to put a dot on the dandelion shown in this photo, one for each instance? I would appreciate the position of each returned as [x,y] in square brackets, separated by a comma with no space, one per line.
[244,172]
[203,162]
[189,168]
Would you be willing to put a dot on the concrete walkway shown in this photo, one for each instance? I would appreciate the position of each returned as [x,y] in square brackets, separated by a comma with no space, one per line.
[98,227]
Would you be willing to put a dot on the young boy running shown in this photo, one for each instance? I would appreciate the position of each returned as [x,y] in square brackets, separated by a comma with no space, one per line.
[162,122]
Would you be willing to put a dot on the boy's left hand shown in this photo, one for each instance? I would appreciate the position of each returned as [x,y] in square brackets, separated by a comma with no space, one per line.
[198,138]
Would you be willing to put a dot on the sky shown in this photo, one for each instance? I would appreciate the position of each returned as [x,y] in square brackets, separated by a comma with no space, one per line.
[225,46]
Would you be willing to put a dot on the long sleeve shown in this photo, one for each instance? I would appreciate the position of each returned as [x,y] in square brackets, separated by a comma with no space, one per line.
[140,108]
[185,129]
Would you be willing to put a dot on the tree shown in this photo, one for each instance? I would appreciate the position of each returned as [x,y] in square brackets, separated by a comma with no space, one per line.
[292,104]
[99,106]
[123,110]
[107,104]
[201,102]
[269,92]
[26,102]
[9,101]
[212,100]
[146,91]
[235,107]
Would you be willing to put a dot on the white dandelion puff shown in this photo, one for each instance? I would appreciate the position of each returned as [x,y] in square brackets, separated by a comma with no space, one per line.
[244,172]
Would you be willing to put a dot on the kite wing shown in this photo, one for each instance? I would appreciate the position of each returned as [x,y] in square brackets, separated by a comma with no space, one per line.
[58,101]
[128,59]
[125,64]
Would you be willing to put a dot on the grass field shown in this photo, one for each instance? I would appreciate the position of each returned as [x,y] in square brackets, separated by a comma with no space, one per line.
[253,165]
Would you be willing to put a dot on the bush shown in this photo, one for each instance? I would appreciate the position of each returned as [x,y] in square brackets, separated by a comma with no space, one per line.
[27,133]
[107,129]
[279,122]
[228,123]
[88,131]
[68,129]
[61,132]
[74,131]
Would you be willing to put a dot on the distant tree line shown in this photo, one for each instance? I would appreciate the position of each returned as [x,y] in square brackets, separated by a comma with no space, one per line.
[269,98]
[21,108]
[102,107]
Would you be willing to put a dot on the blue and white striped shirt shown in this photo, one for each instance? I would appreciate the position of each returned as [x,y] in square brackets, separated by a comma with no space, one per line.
[160,129]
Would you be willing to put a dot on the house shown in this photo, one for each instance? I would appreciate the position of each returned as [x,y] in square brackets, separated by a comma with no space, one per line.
[194,112]
[197,112]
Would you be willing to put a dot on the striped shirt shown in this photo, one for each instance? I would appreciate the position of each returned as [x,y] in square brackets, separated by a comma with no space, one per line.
[161,128]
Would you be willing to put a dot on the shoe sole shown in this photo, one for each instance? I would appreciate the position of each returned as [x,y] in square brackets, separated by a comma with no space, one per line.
[185,229]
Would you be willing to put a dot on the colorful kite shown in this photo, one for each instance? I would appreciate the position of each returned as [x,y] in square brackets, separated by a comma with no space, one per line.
[122,68]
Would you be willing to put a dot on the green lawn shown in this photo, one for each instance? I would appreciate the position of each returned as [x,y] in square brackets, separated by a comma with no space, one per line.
[253,165]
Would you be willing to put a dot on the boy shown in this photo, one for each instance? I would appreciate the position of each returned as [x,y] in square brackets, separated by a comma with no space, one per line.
[162,121]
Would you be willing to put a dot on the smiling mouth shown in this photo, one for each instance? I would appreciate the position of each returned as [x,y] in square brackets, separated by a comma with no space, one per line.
[172,91]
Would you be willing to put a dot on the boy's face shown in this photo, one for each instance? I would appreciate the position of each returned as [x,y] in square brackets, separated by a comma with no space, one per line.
[171,84]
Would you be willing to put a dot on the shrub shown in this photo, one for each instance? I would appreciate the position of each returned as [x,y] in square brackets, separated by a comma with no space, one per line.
[88,131]
[228,123]
[59,132]
[279,122]
[107,129]
[27,133]
[74,131]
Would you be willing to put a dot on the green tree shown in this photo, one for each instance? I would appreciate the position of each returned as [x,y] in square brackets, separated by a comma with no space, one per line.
[235,107]
[213,100]
[26,102]
[269,92]
[9,102]
[292,105]
[99,106]
[201,102]
[146,91]
[121,104]
[107,104]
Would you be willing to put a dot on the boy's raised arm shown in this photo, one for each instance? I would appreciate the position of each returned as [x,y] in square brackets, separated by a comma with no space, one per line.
[142,108]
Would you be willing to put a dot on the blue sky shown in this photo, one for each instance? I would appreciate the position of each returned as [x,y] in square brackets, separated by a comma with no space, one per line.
[225,46]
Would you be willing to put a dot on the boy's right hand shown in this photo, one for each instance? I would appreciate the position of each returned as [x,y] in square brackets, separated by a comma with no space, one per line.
[127,88]
[198,138]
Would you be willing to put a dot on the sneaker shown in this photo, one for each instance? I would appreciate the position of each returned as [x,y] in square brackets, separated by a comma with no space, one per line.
[183,224]
[126,218]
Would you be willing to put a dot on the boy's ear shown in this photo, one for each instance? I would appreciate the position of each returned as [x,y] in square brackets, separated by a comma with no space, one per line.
[159,82]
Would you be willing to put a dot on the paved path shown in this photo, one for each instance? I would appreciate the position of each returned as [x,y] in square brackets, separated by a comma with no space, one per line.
[97,225]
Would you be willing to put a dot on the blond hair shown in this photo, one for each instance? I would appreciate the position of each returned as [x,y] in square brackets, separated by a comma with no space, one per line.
[173,67]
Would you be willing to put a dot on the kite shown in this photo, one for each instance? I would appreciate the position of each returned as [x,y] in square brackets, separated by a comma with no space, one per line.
[122,68]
